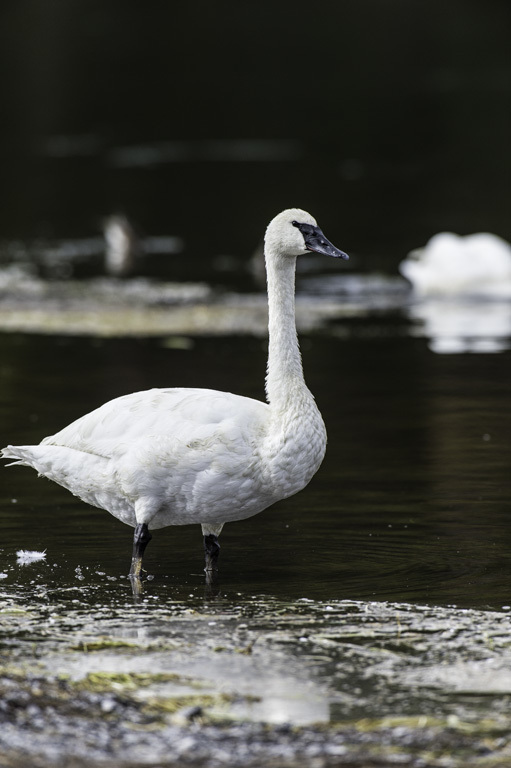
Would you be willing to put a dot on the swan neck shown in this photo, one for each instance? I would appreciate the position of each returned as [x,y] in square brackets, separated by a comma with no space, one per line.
[285,373]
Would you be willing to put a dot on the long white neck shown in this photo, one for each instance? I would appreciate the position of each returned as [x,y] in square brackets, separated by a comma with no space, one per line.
[284,381]
[295,440]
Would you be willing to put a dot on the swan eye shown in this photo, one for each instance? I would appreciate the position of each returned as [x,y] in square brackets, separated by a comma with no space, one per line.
[305,229]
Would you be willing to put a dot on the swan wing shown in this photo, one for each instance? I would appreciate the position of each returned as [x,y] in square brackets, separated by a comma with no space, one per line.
[179,415]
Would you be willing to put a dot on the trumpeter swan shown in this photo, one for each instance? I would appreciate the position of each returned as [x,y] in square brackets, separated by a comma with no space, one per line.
[476,265]
[177,456]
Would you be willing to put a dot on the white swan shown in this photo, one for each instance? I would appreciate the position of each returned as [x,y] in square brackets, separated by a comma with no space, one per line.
[177,456]
[476,265]
[122,246]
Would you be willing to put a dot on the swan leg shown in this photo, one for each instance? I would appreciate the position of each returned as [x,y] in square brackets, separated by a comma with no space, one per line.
[211,532]
[141,539]
[211,551]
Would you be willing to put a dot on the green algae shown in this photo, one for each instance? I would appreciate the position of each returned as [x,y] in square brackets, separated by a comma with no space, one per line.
[172,704]
[103,644]
[14,612]
[126,681]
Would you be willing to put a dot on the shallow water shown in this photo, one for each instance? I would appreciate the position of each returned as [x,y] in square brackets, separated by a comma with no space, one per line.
[374,604]
[410,504]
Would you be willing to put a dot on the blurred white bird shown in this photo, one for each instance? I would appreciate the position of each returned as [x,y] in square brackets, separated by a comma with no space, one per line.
[476,265]
[123,246]
[177,456]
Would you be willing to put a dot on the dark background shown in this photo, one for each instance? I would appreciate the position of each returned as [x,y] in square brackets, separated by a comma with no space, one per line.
[389,120]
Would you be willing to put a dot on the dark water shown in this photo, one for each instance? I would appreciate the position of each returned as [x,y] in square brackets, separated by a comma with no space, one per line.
[390,122]
[411,503]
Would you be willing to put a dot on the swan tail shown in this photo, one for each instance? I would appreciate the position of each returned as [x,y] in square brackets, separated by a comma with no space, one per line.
[37,457]
[55,462]
[21,453]
[81,473]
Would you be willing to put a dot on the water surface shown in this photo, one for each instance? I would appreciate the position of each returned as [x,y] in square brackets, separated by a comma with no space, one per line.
[374,604]
[410,504]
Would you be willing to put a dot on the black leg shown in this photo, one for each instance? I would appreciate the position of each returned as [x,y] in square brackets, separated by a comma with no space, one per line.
[211,550]
[141,539]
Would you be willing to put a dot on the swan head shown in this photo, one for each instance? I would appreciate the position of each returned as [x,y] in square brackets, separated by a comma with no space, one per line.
[294,232]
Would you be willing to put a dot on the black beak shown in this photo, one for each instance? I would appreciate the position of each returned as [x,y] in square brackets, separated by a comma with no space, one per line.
[317,242]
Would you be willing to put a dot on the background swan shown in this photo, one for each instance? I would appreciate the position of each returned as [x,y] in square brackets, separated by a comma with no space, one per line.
[474,265]
[176,456]
[122,246]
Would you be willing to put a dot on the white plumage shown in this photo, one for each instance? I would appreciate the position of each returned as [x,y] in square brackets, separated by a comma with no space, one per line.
[122,246]
[177,456]
[476,265]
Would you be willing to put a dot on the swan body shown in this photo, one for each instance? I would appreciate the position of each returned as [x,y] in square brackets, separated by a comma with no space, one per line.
[177,456]
[226,463]
[452,265]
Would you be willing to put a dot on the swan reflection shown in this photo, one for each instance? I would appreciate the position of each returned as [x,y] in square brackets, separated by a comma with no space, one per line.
[461,326]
